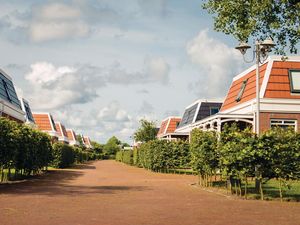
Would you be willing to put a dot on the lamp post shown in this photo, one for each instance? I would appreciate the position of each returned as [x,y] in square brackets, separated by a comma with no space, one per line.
[260,54]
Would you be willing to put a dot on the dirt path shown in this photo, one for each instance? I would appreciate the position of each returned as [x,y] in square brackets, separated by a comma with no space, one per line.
[107,192]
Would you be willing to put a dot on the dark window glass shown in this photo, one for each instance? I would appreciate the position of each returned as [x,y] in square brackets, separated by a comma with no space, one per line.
[53,124]
[214,110]
[188,116]
[28,112]
[8,92]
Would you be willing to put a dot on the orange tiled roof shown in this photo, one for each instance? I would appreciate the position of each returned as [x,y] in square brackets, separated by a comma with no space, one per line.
[71,135]
[250,91]
[173,125]
[168,125]
[61,129]
[43,121]
[279,85]
[163,126]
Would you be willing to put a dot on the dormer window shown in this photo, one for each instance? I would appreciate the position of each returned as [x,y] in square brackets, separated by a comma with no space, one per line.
[241,92]
[294,76]
[214,110]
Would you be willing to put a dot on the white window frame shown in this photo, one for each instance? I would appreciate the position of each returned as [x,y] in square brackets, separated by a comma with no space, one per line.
[293,89]
[283,122]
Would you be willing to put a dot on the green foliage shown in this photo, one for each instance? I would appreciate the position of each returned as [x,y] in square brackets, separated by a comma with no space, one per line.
[159,155]
[278,19]
[204,155]
[98,148]
[112,146]
[146,132]
[125,156]
[22,148]
[63,155]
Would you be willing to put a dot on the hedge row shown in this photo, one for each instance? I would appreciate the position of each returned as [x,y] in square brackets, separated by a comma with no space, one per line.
[28,151]
[234,155]
[158,155]
[23,149]
[240,154]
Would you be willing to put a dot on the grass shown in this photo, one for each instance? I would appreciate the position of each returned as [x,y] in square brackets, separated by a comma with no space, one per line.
[14,177]
[291,191]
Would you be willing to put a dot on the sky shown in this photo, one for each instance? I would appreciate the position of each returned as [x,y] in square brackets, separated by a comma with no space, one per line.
[99,66]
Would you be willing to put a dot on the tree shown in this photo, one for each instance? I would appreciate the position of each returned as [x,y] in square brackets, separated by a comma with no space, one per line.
[146,132]
[98,148]
[279,19]
[112,146]
[204,157]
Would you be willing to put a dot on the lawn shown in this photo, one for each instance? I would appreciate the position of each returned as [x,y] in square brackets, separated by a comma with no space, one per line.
[291,191]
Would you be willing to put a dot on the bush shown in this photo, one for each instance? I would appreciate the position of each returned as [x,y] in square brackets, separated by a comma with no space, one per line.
[63,155]
[159,155]
[22,148]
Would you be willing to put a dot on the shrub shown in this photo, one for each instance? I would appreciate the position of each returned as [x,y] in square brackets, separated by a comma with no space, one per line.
[63,155]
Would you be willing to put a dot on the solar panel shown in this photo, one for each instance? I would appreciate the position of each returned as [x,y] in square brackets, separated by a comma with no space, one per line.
[8,92]
[188,116]
[28,112]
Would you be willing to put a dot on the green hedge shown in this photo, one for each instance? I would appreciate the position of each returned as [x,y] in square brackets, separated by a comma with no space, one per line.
[157,155]
[24,149]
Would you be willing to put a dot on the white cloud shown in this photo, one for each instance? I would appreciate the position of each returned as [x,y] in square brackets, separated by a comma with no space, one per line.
[113,113]
[44,72]
[156,70]
[55,87]
[57,21]
[217,61]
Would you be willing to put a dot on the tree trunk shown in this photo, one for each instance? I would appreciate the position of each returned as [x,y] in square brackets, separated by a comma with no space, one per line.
[280,189]
[261,190]
[246,186]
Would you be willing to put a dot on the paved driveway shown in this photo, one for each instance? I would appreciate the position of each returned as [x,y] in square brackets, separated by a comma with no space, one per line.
[107,192]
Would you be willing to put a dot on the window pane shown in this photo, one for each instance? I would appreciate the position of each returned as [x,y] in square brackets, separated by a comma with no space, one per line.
[295,80]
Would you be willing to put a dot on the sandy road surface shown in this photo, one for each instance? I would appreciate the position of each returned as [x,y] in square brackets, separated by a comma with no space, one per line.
[111,193]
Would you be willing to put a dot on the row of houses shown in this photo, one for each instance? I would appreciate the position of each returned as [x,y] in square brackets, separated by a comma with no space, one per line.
[18,109]
[279,102]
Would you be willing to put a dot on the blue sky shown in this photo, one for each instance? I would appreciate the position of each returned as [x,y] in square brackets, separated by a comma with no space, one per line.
[99,66]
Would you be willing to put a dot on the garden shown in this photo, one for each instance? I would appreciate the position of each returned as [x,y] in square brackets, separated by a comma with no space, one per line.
[236,161]
[26,152]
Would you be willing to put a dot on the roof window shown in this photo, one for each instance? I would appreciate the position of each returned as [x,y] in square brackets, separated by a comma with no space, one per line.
[241,92]
[294,76]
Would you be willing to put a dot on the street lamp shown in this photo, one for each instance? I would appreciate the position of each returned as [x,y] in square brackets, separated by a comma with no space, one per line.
[260,54]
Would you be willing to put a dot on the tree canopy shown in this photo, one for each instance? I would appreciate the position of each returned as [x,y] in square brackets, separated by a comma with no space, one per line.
[279,19]
[112,146]
[146,132]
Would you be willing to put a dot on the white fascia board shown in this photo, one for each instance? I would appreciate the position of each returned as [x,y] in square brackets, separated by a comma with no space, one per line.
[280,105]
[240,107]
[197,111]
[292,58]
[221,100]
[264,84]
[12,110]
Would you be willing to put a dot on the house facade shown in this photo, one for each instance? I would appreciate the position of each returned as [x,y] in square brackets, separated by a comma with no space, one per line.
[196,112]
[10,106]
[279,97]
[168,127]
[62,133]
[87,142]
[72,137]
[45,123]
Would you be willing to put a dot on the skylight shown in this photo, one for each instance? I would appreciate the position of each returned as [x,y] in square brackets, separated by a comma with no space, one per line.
[294,76]
[241,92]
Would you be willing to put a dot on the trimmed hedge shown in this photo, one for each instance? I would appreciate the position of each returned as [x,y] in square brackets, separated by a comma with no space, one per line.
[22,148]
[157,155]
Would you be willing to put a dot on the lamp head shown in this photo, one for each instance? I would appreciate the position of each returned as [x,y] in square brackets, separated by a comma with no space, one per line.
[267,44]
[242,47]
